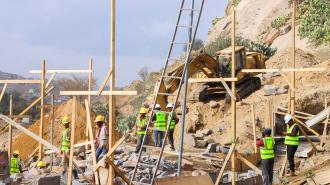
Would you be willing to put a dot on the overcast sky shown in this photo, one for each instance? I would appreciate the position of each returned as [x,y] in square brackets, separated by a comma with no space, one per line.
[68,32]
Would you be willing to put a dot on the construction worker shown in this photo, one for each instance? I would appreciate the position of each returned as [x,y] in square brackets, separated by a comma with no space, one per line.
[141,126]
[65,145]
[291,141]
[101,137]
[267,153]
[159,119]
[15,164]
[42,167]
[173,122]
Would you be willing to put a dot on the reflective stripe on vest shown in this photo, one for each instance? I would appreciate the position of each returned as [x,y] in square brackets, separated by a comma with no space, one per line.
[267,152]
[172,123]
[291,140]
[65,140]
[141,124]
[14,166]
[160,121]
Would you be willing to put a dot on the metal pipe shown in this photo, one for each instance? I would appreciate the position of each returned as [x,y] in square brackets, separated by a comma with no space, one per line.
[186,76]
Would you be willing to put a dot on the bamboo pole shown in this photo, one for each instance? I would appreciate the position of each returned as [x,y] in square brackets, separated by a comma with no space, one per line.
[42,102]
[233,86]
[293,65]
[112,103]
[254,129]
[72,139]
[10,134]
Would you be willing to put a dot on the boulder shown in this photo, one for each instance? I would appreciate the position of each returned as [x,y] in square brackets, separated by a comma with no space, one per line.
[200,143]
[189,140]
[270,90]
[213,104]
[211,148]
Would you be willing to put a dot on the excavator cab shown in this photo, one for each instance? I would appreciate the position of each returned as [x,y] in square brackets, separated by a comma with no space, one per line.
[225,60]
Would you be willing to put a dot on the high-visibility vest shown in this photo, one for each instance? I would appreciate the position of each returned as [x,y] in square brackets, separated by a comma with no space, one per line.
[172,123]
[291,140]
[14,166]
[65,141]
[141,126]
[160,121]
[267,152]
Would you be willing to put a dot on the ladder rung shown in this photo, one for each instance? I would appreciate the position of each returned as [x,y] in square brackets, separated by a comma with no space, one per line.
[189,9]
[184,26]
[146,165]
[142,183]
[182,43]
[175,77]
[166,94]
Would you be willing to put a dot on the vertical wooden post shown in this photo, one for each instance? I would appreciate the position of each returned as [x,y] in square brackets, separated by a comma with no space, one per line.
[52,121]
[254,129]
[42,96]
[90,83]
[112,103]
[233,88]
[10,134]
[324,134]
[293,75]
[73,126]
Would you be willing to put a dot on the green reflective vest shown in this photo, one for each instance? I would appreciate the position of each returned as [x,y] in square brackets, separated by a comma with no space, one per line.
[141,126]
[14,166]
[65,141]
[291,140]
[267,152]
[160,121]
[172,123]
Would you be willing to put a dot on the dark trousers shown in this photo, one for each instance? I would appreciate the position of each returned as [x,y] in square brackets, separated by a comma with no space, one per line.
[267,171]
[139,138]
[158,136]
[171,138]
[291,150]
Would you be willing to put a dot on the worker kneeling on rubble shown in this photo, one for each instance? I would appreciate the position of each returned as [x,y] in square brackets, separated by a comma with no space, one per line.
[159,119]
[141,127]
[65,146]
[267,153]
[101,137]
[173,122]
[291,141]
[15,164]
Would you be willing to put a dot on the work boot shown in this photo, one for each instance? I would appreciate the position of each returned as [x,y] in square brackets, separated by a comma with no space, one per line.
[292,174]
[172,149]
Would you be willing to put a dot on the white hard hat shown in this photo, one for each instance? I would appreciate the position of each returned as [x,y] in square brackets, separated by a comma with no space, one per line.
[157,106]
[169,105]
[288,118]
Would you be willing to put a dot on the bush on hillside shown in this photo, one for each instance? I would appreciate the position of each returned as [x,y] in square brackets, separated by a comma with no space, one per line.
[225,41]
[280,21]
[126,123]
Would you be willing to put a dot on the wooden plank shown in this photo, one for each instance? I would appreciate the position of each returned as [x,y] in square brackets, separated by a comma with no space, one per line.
[308,128]
[72,140]
[89,98]
[324,134]
[42,111]
[94,93]
[83,144]
[254,129]
[231,151]
[206,80]
[118,171]
[284,70]
[91,140]
[287,81]
[249,164]
[10,134]
[228,89]
[308,139]
[104,82]
[20,81]
[51,79]
[282,113]
[3,92]
[61,71]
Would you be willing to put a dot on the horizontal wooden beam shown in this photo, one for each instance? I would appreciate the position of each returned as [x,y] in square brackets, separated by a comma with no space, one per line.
[284,70]
[82,144]
[61,71]
[206,80]
[94,93]
[20,81]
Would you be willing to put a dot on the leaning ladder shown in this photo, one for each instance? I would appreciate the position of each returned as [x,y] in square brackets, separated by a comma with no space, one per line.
[189,45]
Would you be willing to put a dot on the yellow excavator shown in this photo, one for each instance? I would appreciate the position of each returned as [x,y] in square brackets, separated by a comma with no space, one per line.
[206,66]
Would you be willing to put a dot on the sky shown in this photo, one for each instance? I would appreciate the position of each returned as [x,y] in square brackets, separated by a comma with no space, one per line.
[66,33]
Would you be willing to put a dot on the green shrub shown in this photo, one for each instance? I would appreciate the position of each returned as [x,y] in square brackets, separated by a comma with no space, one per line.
[215,20]
[315,23]
[126,123]
[280,21]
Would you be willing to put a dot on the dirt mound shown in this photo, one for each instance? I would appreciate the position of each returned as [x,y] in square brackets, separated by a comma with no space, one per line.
[26,145]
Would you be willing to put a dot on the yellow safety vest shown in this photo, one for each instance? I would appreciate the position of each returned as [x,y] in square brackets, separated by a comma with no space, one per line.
[141,126]
[14,166]
[65,141]
[291,140]
[267,152]
[172,123]
[160,121]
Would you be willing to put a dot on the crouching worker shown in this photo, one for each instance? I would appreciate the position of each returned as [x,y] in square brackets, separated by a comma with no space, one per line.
[140,127]
[267,153]
[101,137]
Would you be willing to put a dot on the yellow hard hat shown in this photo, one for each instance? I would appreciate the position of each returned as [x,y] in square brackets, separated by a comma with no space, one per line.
[16,152]
[143,110]
[41,164]
[65,119]
[99,118]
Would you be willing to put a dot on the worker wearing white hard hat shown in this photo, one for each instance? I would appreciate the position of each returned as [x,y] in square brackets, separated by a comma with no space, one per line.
[159,121]
[173,122]
[291,141]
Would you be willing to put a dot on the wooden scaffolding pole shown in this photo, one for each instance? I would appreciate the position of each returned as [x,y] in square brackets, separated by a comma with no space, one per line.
[10,134]
[90,83]
[233,88]
[72,139]
[293,64]
[112,102]
[42,102]
[3,91]
[254,129]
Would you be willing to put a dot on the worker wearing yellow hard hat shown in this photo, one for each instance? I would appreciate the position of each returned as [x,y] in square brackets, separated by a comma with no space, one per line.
[101,137]
[15,164]
[141,127]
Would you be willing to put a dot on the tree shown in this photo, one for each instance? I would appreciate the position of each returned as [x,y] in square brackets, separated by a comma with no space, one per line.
[75,83]
[143,73]
[198,44]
